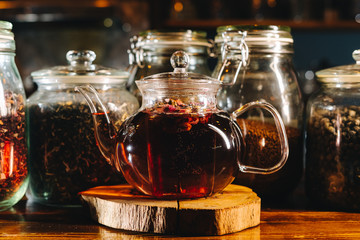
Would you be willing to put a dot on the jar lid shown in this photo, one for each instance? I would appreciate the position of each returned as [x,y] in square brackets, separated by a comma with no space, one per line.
[261,38]
[80,70]
[342,74]
[149,38]
[7,43]
[180,77]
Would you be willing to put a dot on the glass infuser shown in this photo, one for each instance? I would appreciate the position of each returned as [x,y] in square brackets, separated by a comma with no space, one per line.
[179,144]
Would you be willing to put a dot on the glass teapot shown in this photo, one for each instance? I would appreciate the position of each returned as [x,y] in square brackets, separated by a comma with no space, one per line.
[178,144]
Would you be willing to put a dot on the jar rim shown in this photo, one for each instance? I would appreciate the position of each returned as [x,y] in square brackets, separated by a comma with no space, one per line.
[151,38]
[79,80]
[162,32]
[255,27]
[7,43]
[258,38]
[6,25]
[256,34]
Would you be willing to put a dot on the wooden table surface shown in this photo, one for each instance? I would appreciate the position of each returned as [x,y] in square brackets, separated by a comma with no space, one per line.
[32,221]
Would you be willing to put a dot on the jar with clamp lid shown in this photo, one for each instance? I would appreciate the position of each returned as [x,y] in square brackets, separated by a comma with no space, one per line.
[13,149]
[63,157]
[151,51]
[264,53]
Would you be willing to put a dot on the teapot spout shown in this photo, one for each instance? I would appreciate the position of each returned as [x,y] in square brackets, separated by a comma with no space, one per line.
[105,133]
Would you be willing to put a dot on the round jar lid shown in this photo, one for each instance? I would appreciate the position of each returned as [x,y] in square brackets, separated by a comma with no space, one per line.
[80,70]
[151,38]
[258,33]
[259,38]
[7,43]
[342,74]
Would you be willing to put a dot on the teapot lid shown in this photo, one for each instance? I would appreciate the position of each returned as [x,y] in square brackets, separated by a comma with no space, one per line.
[342,74]
[80,70]
[180,62]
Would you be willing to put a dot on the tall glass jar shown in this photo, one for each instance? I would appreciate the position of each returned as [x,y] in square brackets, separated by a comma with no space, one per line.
[332,178]
[151,51]
[13,151]
[266,75]
[63,156]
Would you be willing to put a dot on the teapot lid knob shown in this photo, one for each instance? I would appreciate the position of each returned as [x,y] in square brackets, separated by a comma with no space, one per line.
[180,61]
[85,57]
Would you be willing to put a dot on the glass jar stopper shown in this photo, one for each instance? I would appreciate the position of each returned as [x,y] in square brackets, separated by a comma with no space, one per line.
[76,58]
[180,61]
[342,74]
[356,56]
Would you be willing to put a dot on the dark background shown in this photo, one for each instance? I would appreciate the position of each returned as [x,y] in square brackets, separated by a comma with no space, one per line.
[325,32]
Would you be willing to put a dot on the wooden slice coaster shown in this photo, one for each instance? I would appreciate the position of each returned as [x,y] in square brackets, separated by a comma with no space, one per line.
[122,207]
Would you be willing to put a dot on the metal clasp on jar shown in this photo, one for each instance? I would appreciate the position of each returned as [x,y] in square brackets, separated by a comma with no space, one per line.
[133,60]
[234,43]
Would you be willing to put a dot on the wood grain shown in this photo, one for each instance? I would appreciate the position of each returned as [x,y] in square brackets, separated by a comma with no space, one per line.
[122,207]
[234,209]
[27,220]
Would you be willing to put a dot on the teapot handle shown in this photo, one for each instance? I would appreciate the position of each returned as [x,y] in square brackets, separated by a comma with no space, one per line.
[281,132]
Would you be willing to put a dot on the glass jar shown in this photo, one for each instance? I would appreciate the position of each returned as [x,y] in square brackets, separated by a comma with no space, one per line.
[63,157]
[267,74]
[13,150]
[332,178]
[151,51]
